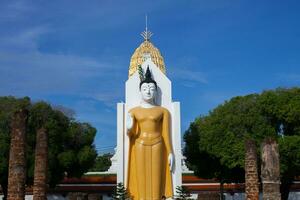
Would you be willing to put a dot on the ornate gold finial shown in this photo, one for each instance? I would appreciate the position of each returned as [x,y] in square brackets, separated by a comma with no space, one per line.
[144,51]
[146,34]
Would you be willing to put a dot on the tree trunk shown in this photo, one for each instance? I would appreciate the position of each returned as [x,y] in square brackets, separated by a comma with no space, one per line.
[40,165]
[222,190]
[270,170]
[17,160]
[251,174]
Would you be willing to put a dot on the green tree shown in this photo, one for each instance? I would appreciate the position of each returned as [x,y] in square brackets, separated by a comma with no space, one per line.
[102,163]
[121,193]
[282,108]
[204,164]
[221,134]
[221,138]
[71,150]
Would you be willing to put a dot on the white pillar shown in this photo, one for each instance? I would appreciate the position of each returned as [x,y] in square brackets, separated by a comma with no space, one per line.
[120,142]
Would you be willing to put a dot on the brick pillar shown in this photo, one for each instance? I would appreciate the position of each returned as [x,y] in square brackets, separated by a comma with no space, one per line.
[270,170]
[17,160]
[251,174]
[40,165]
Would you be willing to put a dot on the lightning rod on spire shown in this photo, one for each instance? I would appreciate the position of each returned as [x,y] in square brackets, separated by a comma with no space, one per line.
[146,34]
[146,23]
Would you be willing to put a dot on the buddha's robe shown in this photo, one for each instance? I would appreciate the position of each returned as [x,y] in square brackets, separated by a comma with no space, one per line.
[149,175]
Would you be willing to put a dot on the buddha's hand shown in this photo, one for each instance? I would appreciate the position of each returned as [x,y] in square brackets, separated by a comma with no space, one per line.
[129,121]
[171,161]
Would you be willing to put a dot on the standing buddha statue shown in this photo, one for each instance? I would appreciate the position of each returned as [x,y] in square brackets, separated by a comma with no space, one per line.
[150,151]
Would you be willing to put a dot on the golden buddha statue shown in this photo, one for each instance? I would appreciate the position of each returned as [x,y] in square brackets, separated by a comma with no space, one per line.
[150,151]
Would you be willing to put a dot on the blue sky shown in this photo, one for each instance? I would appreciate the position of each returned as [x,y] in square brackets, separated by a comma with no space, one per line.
[77,53]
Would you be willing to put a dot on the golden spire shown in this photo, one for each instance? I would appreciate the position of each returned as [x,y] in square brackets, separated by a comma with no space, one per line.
[145,50]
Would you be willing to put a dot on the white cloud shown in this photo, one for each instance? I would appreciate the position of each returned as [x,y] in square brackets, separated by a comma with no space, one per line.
[14,9]
[185,74]
[24,70]
[290,77]
[216,98]
[54,73]
[24,40]
[46,74]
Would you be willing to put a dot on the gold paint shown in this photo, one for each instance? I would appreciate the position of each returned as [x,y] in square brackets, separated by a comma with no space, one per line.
[149,175]
[138,57]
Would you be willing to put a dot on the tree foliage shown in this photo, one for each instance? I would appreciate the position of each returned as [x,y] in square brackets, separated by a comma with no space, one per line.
[217,140]
[205,164]
[71,149]
[102,163]
[282,108]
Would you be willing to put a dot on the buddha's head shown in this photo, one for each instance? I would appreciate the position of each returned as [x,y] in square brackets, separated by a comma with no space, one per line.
[148,92]
[148,88]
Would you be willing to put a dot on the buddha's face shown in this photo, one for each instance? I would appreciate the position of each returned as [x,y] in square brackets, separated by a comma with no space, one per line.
[148,91]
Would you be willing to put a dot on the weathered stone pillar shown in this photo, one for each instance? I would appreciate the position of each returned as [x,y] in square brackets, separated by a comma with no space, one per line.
[270,170]
[251,174]
[17,160]
[40,165]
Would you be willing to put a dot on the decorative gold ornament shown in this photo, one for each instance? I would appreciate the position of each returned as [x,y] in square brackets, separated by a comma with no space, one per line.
[144,51]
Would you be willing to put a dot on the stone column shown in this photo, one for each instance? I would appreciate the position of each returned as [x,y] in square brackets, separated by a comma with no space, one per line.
[251,174]
[40,165]
[17,160]
[270,170]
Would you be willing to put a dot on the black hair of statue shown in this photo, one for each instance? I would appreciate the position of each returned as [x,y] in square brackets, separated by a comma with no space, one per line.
[148,79]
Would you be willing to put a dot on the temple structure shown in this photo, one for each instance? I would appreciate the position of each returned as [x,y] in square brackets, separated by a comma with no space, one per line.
[100,185]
